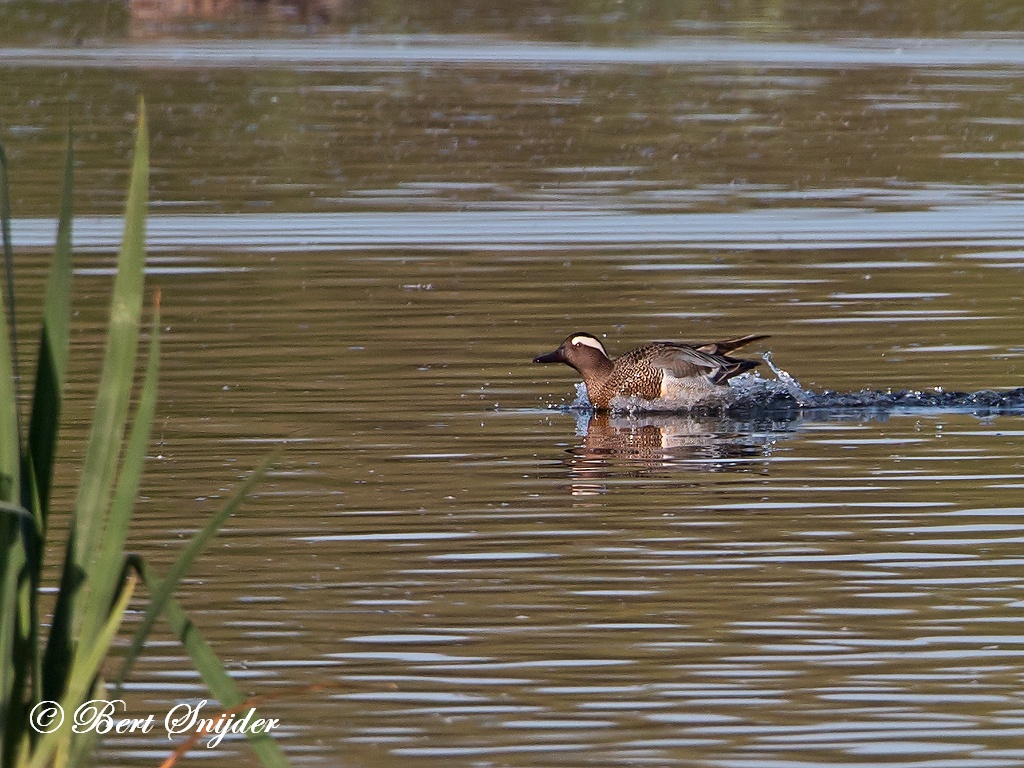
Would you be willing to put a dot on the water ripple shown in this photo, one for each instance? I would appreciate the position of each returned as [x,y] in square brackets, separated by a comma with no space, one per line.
[984,223]
[360,52]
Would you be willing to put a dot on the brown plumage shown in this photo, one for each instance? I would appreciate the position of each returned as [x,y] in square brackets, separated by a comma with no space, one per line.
[661,369]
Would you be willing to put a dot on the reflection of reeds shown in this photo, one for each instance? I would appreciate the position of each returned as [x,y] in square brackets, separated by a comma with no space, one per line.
[98,578]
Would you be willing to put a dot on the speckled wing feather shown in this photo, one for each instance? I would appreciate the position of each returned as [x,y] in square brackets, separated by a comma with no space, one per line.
[682,360]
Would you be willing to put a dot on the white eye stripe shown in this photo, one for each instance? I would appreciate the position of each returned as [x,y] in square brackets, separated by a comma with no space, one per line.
[586,340]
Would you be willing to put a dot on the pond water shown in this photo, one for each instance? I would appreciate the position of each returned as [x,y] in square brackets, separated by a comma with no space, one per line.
[362,241]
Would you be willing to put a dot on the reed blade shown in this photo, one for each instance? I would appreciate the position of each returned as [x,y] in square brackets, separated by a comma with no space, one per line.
[208,665]
[106,435]
[51,365]
[103,449]
[84,670]
[10,440]
[107,572]
[14,556]
[161,593]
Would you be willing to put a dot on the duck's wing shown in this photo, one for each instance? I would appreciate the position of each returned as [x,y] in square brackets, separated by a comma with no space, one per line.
[682,360]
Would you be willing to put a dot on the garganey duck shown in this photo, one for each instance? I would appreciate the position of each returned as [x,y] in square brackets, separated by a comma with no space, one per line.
[676,373]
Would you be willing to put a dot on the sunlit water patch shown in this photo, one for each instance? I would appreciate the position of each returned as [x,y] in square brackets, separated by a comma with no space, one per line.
[381,51]
[985,223]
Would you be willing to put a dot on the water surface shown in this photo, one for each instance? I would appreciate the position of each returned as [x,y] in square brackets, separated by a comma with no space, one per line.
[361,244]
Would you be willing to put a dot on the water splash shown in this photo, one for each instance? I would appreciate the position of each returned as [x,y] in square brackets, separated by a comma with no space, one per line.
[752,394]
[787,382]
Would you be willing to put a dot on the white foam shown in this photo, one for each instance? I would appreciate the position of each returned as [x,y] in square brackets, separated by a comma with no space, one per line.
[581,401]
[673,401]
[791,385]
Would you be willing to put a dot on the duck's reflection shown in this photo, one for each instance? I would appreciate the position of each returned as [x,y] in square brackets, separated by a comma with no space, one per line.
[625,445]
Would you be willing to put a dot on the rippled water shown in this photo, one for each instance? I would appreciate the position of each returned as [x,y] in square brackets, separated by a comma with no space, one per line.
[361,244]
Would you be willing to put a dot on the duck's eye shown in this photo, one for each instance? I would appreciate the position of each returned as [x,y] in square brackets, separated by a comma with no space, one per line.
[586,341]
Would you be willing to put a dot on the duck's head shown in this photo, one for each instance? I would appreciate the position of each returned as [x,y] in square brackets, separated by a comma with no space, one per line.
[581,351]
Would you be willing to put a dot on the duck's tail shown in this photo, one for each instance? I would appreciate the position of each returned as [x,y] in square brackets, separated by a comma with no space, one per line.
[727,346]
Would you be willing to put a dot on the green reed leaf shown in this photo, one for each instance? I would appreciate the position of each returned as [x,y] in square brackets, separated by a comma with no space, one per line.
[216,677]
[84,670]
[52,362]
[161,593]
[105,439]
[108,570]
[10,440]
[106,436]
[14,555]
